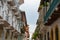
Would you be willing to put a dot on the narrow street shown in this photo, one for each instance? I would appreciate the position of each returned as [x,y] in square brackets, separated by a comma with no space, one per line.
[35,20]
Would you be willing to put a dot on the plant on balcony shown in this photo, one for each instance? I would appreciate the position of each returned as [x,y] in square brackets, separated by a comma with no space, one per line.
[41,6]
[35,35]
[46,3]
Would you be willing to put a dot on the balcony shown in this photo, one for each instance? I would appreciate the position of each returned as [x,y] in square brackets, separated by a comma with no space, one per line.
[17,2]
[51,9]
[18,18]
[21,2]
[1,21]
[54,17]
[10,2]
[4,23]
[14,8]
[16,14]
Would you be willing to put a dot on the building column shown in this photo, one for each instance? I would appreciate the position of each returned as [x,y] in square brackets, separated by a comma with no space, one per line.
[18,37]
[4,33]
[59,32]
[13,37]
[50,33]
[9,35]
[0,34]
[44,37]
[54,37]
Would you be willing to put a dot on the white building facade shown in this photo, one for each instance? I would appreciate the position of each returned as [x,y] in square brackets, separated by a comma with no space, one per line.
[10,19]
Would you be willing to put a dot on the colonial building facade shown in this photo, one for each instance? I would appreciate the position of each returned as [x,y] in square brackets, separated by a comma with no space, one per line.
[11,24]
[26,28]
[48,21]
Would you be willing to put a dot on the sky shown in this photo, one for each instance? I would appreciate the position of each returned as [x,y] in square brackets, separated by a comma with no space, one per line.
[30,7]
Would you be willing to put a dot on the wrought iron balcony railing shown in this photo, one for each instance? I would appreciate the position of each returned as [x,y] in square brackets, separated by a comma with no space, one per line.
[51,9]
[8,15]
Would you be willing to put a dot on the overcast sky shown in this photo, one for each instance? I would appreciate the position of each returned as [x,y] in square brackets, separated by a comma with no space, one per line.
[30,7]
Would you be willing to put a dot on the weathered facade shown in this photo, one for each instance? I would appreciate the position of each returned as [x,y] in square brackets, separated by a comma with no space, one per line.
[48,21]
[26,28]
[11,20]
